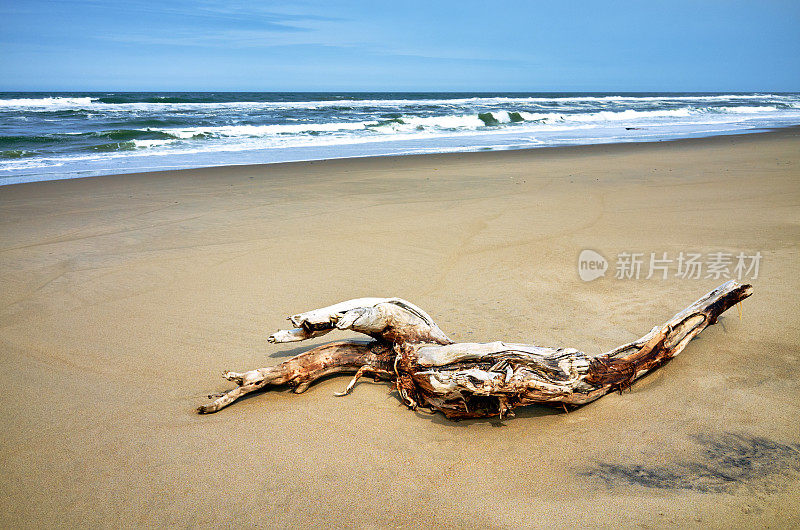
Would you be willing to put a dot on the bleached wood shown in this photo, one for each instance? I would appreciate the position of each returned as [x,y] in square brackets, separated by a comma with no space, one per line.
[471,379]
[296,334]
[390,319]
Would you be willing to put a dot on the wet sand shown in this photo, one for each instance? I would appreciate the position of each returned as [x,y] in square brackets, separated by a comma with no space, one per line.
[124,297]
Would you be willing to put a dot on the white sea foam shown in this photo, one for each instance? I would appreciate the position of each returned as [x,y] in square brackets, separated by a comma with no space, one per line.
[260,130]
[745,109]
[93,103]
[47,103]
[147,144]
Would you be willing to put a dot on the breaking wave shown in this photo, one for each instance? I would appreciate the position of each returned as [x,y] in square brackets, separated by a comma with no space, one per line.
[227,101]
[43,134]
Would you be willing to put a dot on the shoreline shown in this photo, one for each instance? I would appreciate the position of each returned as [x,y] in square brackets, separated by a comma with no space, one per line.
[123,298]
[622,144]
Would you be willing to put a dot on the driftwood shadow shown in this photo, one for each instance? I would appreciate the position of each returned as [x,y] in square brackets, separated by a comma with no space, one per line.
[306,347]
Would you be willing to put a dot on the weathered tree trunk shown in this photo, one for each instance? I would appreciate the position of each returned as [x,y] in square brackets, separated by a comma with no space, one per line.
[469,380]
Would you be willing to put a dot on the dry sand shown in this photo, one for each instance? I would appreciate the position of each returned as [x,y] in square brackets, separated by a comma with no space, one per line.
[124,297]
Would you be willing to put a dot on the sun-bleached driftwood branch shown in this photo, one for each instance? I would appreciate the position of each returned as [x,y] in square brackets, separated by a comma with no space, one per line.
[468,380]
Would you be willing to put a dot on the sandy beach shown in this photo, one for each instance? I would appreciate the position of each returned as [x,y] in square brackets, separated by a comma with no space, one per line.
[124,297]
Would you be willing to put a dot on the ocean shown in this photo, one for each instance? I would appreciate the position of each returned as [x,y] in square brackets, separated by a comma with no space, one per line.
[47,136]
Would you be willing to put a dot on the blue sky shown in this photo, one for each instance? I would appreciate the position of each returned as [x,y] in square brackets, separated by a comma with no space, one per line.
[642,45]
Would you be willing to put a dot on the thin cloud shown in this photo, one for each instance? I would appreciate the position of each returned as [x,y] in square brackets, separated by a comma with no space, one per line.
[231,38]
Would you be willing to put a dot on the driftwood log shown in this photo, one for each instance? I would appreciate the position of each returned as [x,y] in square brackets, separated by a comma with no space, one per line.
[468,380]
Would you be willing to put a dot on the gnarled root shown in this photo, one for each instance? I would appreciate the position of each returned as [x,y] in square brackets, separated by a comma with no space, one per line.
[302,370]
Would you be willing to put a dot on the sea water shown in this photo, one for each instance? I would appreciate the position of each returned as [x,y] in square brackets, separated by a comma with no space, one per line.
[46,136]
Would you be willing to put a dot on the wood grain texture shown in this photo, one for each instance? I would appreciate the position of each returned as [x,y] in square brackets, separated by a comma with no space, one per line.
[469,380]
